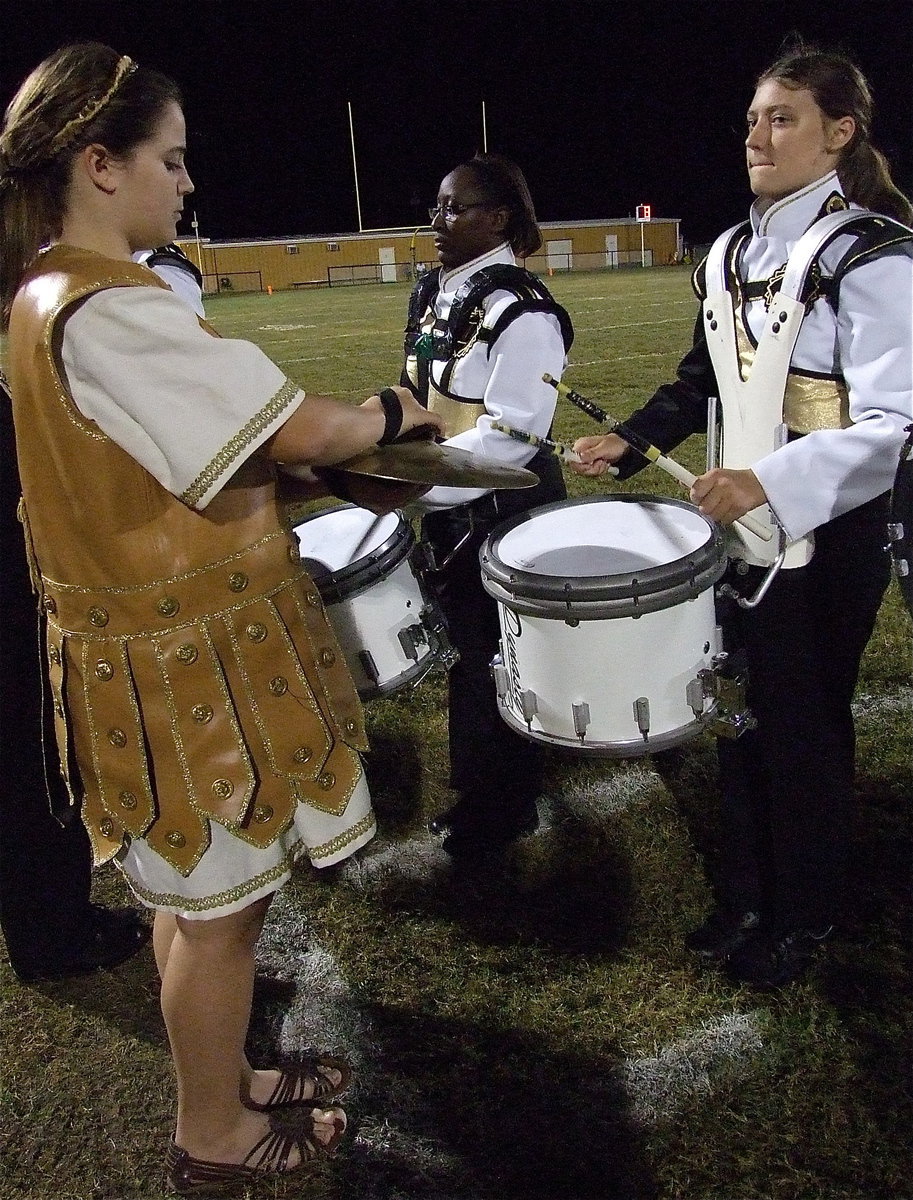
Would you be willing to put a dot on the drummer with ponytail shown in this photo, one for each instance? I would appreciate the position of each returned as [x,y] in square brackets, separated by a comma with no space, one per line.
[822,465]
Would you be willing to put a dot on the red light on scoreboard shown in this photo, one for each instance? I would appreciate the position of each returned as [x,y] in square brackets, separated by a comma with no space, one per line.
[644,212]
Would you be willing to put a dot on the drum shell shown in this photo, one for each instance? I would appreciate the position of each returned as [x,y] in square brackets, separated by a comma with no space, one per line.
[900,530]
[373,596]
[607,641]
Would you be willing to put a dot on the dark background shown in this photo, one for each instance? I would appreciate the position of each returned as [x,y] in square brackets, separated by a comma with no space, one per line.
[605,105]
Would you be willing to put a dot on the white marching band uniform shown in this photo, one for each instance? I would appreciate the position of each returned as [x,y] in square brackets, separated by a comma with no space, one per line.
[848,452]
[504,379]
[478,341]
[833,409]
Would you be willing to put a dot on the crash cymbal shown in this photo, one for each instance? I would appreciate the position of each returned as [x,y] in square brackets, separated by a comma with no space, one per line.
[428,462]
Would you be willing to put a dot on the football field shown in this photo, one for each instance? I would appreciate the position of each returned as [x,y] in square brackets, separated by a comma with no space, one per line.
[535,1031]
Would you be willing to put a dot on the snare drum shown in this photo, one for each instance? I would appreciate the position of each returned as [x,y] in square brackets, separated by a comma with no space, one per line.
[391,631]
[900,530]
[608,634]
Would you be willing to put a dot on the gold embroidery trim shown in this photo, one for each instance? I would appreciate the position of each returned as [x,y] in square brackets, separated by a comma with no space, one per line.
[273,875]
[233,450]
[341,840]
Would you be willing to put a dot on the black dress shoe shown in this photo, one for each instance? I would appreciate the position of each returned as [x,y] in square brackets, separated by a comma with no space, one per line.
[111,936]
[450,817]
[767,961]
[723,933]
[474,839]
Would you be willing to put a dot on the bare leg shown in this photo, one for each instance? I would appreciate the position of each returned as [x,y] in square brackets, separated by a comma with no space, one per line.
[164,927]
[206,998]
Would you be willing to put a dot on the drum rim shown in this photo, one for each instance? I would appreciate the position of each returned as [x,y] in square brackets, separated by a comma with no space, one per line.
[356,577]
[626,593]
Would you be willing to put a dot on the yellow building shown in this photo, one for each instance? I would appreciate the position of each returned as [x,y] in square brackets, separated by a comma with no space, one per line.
[386,256]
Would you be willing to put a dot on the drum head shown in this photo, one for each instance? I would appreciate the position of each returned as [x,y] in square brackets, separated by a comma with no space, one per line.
[603,556]
[346,548]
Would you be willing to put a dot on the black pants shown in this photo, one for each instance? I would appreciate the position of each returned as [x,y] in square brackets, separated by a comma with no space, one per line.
[787,787]
[496,770]
[45,864]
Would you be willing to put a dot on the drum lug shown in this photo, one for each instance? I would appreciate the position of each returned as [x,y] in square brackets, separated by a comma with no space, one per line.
[642,715]
[438,640]
[529,706]
[368,665]
[501,676]
[581,713]
[410,638]
[895,531]
[729,715]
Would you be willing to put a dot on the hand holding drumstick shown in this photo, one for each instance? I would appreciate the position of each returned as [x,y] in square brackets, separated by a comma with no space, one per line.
[722,495]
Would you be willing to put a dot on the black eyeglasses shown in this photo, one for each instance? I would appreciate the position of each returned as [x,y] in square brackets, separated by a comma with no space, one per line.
[450,212]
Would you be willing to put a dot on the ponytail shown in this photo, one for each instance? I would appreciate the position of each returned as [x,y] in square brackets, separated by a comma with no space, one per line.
[866,179]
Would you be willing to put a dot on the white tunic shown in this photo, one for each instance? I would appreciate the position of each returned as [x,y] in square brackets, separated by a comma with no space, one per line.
[869,341]
[176,399]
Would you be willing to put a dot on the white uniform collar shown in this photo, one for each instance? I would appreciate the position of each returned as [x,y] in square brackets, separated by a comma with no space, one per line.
[451,281]
[792,215]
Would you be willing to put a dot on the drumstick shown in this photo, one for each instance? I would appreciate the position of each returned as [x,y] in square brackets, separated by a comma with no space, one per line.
[648,450]
[559,449]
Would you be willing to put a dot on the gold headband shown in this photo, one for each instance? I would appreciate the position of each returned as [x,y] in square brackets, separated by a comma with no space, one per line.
[126,66]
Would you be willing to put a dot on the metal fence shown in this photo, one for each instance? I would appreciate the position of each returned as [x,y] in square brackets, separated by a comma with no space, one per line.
[370,273]
[232,281]
[604,260]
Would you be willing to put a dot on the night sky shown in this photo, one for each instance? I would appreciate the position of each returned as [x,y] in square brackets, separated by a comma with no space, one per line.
[604,104]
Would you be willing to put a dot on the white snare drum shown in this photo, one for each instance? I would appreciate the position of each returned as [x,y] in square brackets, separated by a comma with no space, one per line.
[900,529]
[608,634]
[391,632]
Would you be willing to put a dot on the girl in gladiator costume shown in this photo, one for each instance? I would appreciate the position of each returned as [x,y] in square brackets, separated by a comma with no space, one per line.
[206,720]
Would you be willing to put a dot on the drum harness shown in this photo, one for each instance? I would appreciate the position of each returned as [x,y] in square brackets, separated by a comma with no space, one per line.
[753,424]
[451,339]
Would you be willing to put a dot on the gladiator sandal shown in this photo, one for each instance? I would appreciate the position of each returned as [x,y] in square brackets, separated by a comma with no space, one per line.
[292,1081]
[187,1175]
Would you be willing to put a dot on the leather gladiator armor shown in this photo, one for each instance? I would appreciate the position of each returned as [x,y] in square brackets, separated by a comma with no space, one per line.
[194,674]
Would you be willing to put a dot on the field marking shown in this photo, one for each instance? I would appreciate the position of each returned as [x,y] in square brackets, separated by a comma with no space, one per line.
[592,362]
[869,707]
[634,325]
[717,1052]
[611,794]
[284,328]
[280,362]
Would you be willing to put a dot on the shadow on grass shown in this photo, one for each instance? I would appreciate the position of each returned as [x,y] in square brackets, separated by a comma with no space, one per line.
[565,888]
[393,770]
[482,1112]
[866,976]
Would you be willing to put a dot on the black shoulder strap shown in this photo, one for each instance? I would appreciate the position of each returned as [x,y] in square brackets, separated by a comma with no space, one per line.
[878,236]
[423,294]
[737,236]
[172,255]
[531,296]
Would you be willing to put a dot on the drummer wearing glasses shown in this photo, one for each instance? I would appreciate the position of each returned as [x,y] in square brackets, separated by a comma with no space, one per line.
[481,332]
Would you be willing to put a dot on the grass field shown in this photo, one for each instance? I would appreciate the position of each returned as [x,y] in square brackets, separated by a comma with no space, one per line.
[538,1034]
